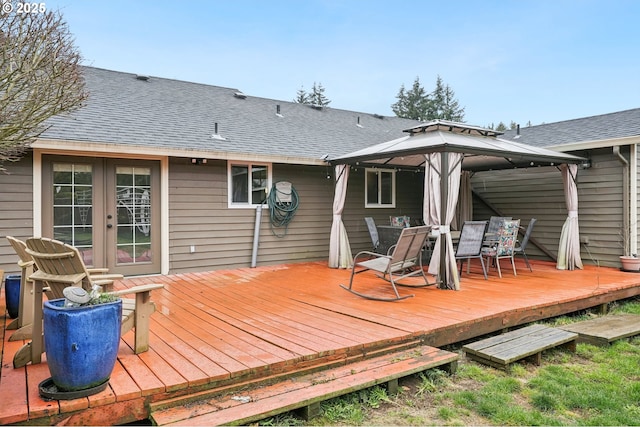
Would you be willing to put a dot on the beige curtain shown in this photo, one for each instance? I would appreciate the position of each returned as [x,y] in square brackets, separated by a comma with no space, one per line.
[339,247]
[569,247]
[439,220]
[464,209]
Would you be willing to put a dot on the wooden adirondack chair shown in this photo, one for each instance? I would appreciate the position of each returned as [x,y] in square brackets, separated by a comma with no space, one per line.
[60,265]
[24,320]
[405,261]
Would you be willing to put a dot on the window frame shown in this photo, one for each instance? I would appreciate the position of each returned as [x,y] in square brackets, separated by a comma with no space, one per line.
[379,173]
[249,165]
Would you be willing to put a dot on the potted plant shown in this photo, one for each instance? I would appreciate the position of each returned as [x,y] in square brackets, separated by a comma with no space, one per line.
[630,263]
[81,340]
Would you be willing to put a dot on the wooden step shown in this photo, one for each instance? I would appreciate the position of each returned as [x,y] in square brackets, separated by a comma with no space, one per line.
[529,342]
[305,391]
[606,329]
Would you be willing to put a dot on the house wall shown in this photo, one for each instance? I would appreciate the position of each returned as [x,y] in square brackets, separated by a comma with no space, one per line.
[223,237]
[539,193]
[409,195]
[16,204]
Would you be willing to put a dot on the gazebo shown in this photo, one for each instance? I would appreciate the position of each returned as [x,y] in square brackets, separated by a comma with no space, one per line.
[444,149]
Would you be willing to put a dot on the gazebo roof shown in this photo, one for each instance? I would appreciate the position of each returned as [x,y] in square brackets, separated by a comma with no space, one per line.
[482,149]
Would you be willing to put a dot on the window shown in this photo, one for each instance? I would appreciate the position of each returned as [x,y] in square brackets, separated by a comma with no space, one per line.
[248,184]
[380,188]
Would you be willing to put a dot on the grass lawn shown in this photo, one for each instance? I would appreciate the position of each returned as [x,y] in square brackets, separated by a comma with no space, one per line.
[594,386]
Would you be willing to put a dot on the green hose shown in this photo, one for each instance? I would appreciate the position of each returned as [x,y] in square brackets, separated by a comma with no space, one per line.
[281,212]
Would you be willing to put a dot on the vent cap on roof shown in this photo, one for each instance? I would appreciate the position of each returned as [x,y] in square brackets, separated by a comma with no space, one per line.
[142,77]
[240,95]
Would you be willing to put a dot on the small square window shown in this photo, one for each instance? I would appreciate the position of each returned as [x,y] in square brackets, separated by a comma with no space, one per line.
[248,184]
[380,188]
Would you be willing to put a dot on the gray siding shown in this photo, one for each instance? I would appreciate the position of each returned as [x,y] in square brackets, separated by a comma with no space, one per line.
[539,193]
[16,195]
[223,237]
[409,194]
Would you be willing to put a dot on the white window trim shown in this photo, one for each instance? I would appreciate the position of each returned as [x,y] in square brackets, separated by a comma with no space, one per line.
[393,189]
[236,205]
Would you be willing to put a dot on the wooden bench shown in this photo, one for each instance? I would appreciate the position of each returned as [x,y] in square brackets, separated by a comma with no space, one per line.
[604,330]
[526,343]
[304,392]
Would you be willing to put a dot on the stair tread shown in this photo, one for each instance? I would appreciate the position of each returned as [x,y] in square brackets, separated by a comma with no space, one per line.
[296,392]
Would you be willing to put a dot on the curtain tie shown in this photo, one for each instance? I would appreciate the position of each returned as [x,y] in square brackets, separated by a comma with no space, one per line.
[573,214]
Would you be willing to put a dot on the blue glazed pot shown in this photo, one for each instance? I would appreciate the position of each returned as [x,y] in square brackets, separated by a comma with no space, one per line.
[81,343]
[12,294]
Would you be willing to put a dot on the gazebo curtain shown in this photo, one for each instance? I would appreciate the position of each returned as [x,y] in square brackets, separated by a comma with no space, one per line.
[569,247]
[339,247]
[433,215]
[464,209]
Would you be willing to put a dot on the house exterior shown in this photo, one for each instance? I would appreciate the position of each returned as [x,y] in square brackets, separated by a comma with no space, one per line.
[164,176]
[607,186]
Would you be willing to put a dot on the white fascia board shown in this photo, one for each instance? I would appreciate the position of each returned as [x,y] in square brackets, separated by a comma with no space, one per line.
[600,143]
[50,146]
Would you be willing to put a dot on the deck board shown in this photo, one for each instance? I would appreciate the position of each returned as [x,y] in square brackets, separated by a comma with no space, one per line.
[216,329]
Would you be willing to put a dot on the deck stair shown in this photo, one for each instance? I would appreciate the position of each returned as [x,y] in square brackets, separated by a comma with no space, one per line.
[502,350]
[604,330]
[301,391]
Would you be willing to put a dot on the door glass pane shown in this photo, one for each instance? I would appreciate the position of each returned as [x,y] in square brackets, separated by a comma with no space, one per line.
[72,206]
[133,201]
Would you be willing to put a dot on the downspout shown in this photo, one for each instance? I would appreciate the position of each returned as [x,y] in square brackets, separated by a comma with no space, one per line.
[633,195]
[625,201]
[256,237]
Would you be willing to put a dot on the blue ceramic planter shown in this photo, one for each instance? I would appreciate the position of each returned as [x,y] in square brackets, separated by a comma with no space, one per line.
[81,343]
[12,294]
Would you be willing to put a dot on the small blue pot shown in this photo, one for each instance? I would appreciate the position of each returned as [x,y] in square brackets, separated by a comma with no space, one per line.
[12,294]
[81,343]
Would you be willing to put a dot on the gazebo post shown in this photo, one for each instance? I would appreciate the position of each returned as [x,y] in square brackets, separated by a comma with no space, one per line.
[444,196]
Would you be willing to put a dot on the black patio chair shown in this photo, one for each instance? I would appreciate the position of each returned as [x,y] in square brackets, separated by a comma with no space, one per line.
[522,245]
[470,244]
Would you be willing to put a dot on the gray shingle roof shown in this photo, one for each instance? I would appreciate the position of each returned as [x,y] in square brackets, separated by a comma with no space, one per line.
[164,113]
[595,128]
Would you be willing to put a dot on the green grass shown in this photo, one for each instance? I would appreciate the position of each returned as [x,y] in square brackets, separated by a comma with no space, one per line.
[593,386]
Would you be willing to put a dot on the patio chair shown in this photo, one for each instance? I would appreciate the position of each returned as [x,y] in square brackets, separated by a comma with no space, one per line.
[399,265]
[24,322]
[60,265]
[505,244]
[470,244]
[373,232]
[25,308]
[495,222]
[522,245]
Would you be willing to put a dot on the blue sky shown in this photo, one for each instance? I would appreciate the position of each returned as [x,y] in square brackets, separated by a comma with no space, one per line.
[525,61]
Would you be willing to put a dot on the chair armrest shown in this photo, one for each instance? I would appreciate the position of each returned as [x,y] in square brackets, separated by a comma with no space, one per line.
[369,254]
[93,271]
[138,289]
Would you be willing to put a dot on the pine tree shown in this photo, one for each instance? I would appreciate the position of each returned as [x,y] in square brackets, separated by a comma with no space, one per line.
[412,104]
[302,97]
[317,97]
[417,104]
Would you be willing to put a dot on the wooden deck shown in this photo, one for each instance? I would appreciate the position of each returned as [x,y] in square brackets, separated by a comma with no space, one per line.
[217,329]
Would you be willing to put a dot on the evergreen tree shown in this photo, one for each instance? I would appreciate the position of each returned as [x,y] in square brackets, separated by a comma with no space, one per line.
[416,104]
[302,97]
[317,97]
[412,104]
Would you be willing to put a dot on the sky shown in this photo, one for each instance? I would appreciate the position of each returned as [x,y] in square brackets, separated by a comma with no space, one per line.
[522,61]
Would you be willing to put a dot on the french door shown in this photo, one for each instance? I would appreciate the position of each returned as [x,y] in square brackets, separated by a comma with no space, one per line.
[107,208]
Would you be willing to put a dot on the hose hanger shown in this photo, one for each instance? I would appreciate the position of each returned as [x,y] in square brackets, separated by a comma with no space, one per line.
[283,204]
